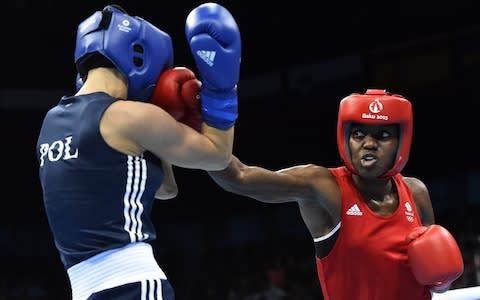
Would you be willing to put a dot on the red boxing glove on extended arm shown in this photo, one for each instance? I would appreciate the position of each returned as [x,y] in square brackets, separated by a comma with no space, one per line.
[434,257]
[191,97]
[177,92]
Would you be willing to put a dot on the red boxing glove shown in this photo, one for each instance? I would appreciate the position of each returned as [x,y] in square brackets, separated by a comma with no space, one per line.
[177,92]
[434,257]
[192,116]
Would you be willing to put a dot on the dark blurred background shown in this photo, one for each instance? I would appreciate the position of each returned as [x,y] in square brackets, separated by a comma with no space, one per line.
[299,59]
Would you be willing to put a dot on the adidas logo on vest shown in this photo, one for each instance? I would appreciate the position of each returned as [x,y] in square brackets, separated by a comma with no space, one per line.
[354,211]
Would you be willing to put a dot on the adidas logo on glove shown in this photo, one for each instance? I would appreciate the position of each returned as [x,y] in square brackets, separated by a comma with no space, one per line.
[207,56]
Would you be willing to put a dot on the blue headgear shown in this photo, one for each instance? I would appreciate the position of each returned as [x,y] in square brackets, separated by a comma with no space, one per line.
[134,46]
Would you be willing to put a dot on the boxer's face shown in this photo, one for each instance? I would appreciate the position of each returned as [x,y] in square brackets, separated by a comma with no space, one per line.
[373,148]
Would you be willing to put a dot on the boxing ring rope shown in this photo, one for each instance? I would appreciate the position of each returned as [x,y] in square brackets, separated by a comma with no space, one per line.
[470,293]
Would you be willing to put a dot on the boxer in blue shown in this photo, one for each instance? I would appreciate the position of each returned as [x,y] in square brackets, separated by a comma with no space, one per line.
[107,152]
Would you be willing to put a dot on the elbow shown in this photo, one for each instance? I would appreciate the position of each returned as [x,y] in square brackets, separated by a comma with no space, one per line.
[172,192]
[167,191]
[221,162]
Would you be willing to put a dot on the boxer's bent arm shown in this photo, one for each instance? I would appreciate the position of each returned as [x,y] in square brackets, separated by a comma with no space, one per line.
[136,127]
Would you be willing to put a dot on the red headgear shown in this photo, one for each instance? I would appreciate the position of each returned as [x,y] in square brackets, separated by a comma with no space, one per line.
[376,107]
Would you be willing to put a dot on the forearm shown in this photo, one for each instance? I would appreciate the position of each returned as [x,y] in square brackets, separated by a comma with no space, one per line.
[221,144]
[209,151]
[255,182]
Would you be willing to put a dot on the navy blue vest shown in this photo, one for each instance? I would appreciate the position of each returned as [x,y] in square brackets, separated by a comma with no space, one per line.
[95,197]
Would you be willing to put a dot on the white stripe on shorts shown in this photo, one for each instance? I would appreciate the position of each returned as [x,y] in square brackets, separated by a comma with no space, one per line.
[132,263]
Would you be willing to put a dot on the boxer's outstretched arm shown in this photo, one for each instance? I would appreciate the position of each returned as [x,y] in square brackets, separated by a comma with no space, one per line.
[292,184]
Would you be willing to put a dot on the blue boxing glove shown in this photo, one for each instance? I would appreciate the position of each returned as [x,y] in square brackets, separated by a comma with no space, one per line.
[215,42]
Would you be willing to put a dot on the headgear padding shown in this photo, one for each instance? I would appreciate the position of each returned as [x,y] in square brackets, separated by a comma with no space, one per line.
[138,49]
[375,107]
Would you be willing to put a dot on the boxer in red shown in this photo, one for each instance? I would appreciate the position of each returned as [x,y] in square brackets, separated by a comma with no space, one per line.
[373,228]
